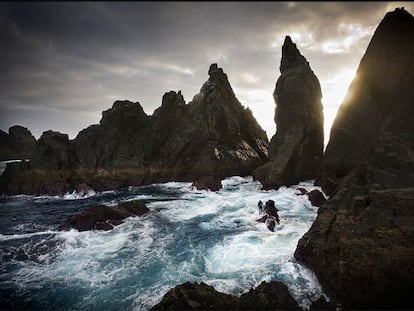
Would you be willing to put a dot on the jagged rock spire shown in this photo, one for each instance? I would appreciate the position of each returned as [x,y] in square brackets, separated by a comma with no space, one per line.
[296,150]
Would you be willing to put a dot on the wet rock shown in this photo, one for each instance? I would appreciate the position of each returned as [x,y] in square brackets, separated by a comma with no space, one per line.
[268,296]
[207,183]
[83,189]
[302,191]
[103,217]
[296,150]
[197,296]
[316,198]
[361,245]
[200,296]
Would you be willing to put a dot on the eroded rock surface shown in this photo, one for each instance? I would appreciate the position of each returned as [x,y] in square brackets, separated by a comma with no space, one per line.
[206,140]
[361,246]
[296,150]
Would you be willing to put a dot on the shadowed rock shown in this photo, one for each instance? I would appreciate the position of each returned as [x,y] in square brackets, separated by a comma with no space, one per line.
[208,182]
[268,296]
[322,304]
[361,246]
[316,197]
[210,138]
[200,296]
[18,144]
[104,217]
[296,150]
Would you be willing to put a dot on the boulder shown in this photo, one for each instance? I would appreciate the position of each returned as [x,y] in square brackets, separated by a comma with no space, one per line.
[361,245]
[103,217]
[296,150]
[316,198]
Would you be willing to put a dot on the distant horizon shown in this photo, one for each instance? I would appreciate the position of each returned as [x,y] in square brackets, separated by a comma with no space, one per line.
[65,63]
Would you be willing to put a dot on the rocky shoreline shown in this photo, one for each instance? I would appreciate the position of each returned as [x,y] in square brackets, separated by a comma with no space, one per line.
[361,245]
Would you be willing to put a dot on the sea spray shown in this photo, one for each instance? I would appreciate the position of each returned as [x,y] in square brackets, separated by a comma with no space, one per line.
[189,235]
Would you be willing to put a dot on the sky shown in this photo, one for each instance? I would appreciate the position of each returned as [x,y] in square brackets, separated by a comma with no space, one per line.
[63,63]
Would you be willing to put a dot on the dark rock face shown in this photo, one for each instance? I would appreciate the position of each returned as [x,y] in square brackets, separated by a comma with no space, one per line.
[188,296]
[268,296]
[18,144]
[208,182]
[210,138]
[296,150]
[195,296]
[103,217]
[52,152]
[322,304]
[361,246]
[316,197]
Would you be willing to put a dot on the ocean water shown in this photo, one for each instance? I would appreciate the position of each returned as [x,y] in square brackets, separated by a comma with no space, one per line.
[189,235]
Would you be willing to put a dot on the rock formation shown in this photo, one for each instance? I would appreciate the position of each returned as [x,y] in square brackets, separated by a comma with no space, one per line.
[103,217]
[210,138]
[18,144]
[296,150]
[361,246]
[188,296]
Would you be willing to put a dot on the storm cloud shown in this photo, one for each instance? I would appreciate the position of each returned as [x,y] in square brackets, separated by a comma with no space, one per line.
[62,64]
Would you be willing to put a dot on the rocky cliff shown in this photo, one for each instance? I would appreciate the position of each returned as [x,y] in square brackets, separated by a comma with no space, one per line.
[210,138]
[361,245]
[18,144]
[296,150]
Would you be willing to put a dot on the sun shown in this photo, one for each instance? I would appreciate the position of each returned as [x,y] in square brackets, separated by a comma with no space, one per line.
[334,91]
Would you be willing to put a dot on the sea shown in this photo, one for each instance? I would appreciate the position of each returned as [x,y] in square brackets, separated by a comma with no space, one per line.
[188,235]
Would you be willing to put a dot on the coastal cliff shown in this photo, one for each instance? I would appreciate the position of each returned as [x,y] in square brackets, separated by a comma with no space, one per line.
[361,246]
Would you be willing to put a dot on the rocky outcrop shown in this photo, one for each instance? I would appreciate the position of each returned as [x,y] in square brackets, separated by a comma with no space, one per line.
[268,296]
[361,246]
[197,296]
[210,138]
[103,217]
[18,144]
[296,150]
[322,304]
[316,197]
[188,296]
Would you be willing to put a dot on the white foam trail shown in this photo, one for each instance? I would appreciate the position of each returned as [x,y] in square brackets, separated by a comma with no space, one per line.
[9,237]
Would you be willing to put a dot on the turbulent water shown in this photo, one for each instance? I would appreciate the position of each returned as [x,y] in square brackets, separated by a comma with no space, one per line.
[189,235]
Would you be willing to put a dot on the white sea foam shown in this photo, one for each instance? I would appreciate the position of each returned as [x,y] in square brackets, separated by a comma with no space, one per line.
[74,195]
[192,236]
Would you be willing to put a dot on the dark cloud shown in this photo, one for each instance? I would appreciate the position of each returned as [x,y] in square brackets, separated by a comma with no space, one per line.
[62,63]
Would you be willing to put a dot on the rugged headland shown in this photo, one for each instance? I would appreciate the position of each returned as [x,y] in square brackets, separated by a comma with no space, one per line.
[210,138]
[361,246]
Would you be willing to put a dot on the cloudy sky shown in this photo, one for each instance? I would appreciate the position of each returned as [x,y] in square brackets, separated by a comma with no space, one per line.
[62,64]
